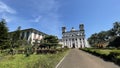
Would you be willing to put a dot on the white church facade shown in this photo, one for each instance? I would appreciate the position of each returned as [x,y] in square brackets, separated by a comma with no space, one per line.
[74,38]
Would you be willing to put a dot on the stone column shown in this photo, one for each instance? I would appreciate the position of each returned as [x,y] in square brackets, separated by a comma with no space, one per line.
[84,42]
[78,41]
[70,43]
[25,35]
[65,42]
[76,45]
[32,37]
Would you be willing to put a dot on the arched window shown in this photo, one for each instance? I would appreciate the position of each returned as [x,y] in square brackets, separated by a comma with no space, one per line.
[83,38]
[76,39]
[80,38]
[72,39]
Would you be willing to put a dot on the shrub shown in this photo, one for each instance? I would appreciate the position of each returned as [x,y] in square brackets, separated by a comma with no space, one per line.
[106,54]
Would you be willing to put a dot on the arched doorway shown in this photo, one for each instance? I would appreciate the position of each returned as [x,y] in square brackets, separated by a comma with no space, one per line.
[73,45]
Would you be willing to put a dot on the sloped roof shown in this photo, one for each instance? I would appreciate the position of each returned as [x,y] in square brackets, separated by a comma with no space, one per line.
[33,30]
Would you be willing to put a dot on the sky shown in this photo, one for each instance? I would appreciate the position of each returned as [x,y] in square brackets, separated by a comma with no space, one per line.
[49,16]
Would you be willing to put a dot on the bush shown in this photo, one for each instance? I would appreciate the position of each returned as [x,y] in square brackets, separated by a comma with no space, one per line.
[33,61]
[115,43]
[28,51]
[106,54]
[65,46]
[46,51]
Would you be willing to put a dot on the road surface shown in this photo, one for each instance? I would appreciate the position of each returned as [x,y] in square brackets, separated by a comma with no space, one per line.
[80,59]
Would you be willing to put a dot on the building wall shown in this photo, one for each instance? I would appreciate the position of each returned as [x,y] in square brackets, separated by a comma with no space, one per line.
[34,36]
[74,38]
[70,41]
[31,36]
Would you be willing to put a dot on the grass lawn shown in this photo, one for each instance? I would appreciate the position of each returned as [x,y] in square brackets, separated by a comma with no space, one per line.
[102,51]
[33,61]
[107,54]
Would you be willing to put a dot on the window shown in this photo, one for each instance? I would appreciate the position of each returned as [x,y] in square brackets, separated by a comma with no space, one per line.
[83,38]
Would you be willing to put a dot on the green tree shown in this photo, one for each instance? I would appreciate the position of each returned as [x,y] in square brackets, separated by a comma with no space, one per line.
[115,43]
[92,39]
[106,36]
[3,35]
[15,38]
[50,41]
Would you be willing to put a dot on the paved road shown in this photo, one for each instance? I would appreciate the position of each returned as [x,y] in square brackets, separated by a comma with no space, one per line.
[79,59]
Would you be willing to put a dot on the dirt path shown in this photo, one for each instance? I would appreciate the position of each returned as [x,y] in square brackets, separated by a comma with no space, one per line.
[80,59]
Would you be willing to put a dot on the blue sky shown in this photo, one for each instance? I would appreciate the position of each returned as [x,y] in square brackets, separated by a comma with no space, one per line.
[50,15]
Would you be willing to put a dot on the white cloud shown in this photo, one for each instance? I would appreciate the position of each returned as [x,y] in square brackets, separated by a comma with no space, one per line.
[7,18]
[46,6]
[6,12]
[44,12]
[6,9]
[37,19]
[49,17]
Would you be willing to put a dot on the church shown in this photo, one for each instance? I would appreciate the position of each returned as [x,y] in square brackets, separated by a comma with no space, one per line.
[74,38]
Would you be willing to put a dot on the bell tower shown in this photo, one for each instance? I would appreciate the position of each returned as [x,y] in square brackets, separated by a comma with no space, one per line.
[81,27]
[63,29]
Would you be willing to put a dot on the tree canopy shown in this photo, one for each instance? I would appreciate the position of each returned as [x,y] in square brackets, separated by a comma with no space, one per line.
[15,38]
[51,39]
[3,34]
[105,36]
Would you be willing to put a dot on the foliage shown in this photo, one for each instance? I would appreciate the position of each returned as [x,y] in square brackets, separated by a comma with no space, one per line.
[3,35]
[15,38]
[115,42]
[33,61]
[28,51]
[49,41]
[106,54]
[105,36]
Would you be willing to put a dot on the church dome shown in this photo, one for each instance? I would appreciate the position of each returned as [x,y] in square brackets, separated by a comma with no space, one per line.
[72,29]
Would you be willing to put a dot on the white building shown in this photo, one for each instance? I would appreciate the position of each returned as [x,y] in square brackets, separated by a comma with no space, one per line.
[74,38]
[31,35]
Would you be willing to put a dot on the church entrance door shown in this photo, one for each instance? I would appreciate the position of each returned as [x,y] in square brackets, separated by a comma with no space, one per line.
[73,45]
